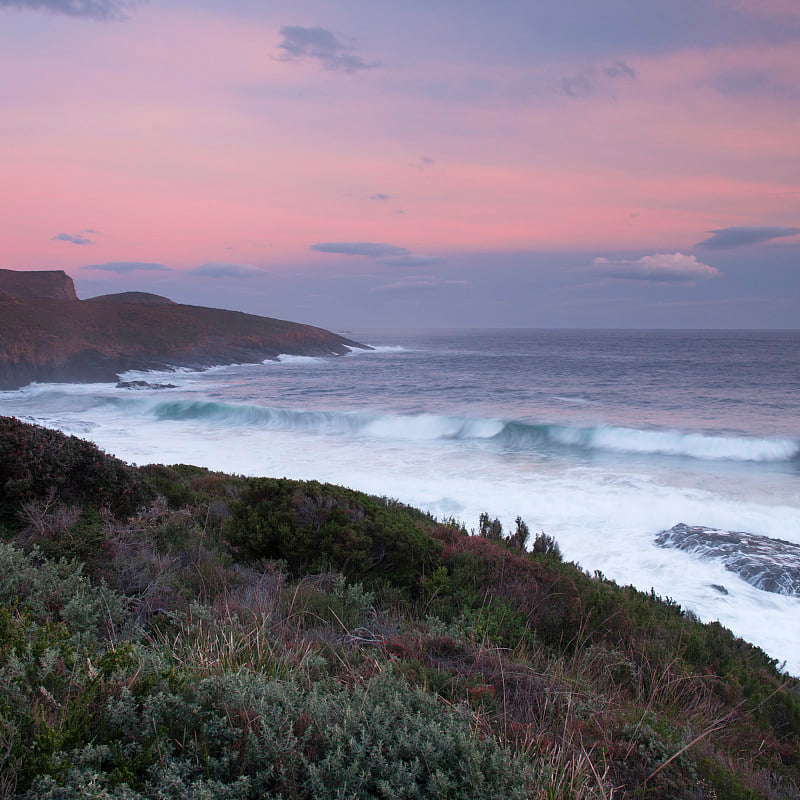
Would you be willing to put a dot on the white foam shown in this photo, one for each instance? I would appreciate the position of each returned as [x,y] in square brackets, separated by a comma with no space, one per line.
[575,401]
[678,443]
[283,358]
[430,427]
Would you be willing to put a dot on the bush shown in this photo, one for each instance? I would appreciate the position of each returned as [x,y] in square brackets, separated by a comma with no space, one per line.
[546,545]
[317,527]
[41,465]
[58,590]
[378,739]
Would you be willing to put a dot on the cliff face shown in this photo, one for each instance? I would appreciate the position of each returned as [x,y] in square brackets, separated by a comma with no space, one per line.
[55,284]
[45,339]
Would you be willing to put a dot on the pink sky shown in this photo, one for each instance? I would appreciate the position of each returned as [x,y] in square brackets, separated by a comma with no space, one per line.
[179,137]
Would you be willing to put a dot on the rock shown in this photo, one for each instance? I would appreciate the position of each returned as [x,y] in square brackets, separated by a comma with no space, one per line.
[769,564]
[144,385]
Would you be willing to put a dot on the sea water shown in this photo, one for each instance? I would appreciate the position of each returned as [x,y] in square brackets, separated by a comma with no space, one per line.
[601,439]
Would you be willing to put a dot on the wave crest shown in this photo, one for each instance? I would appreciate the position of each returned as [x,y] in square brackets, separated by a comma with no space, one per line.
[511,435]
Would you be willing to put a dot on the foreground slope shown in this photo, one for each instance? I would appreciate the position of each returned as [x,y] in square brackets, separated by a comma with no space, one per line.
[57,337]
[174,632]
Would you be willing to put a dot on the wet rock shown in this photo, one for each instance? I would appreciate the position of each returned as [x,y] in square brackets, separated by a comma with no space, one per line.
[144,385]
[769,564]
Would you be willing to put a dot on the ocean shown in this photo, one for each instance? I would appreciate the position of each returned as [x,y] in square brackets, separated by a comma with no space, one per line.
[601,439]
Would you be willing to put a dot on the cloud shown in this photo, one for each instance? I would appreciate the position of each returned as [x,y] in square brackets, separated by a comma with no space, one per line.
[411,260]
[658,268]
[745,82]
[369,249]
[423,162]
[578,85]
[301,43]
[596,80]
[93,9]
[619,69]
[387,254]
[744,235]
[380,196]
[421,283]
[124,267]
[72,238]
[221,269]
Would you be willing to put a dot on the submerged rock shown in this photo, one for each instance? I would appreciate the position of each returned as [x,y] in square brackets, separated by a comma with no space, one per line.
[144,385]
[769,564]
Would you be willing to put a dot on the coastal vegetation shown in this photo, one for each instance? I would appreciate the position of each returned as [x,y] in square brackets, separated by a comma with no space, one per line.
[172,632]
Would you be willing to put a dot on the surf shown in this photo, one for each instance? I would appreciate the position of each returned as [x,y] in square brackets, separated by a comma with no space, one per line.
[507,434]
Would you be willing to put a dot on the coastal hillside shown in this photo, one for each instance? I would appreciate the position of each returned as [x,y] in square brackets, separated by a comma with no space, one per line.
[171,632]
[47,334]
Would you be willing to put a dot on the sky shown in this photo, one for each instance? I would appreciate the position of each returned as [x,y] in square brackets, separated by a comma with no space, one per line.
[366,163]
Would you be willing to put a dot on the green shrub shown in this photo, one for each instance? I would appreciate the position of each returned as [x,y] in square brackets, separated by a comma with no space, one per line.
[261,737]
[543,544]
[58,590]
[316,527]
[184,484]
[37,464]
[341,604]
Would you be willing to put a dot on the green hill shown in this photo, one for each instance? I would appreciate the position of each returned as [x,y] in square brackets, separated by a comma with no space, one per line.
[171,632]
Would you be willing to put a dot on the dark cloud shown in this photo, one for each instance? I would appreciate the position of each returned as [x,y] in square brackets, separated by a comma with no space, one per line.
[321,45]
[423,162]
[380,196]
[411,260]
[93,9]
[596,80]
[387,254]
[744,235]
[221,269]
[658,268]
[124,267]
[577,85]
[72,238]
[619,69]
[369,249]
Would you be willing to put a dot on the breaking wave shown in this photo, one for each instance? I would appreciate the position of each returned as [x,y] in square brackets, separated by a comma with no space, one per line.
[614,439]
[506,434]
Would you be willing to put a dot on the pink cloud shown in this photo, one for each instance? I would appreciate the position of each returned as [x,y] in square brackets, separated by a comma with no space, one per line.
[657,268]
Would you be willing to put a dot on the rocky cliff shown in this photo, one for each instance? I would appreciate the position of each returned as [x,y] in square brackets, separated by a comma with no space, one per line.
[55,284]
[56,337]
